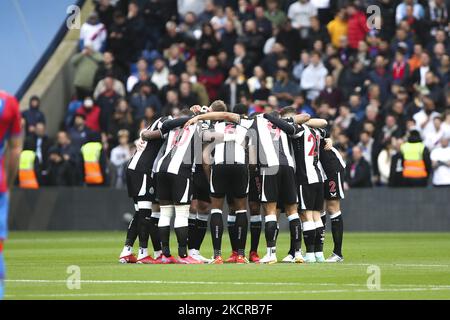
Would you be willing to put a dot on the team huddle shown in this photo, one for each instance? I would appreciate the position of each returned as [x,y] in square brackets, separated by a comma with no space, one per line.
[186,167]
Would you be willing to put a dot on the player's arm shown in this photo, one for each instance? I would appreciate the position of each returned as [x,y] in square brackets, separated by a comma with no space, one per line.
[316,123]
[284,125]
[301,118]
[167,126]
[12,158]
[215,116]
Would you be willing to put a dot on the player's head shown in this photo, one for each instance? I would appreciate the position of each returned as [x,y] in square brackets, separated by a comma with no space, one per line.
[218,106]
[186,113]
[241,109]
[288,112]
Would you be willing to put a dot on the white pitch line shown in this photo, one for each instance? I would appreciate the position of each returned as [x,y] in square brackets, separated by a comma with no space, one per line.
[220,283]
[159,294]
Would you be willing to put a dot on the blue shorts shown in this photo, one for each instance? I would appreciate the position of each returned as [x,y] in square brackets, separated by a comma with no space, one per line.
[4,204]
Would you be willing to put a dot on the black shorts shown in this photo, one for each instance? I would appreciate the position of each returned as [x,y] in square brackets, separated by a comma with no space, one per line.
[254,187]
[200,185]
[141,185]
[334,187]
[311,196]
[279,185]
[230,180]
[174,188]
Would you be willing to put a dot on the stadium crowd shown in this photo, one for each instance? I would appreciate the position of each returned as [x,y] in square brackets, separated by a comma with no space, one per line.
[382,84]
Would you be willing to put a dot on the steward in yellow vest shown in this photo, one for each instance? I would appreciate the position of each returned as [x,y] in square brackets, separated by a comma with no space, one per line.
[27,174]
[93,158]
[416,161]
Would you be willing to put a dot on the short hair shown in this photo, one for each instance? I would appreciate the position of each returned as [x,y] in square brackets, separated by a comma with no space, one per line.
[186,112]
[240,109]
[287,110]
[218,106]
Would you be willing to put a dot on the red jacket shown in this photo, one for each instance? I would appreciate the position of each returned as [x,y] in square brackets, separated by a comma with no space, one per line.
[356,29]
[92,117]
[212,80]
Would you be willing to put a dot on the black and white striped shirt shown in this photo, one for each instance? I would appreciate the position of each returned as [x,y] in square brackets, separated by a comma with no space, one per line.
[331,161]
[272,143]
[142,161]
[306,142]
[179,154]
[232,147]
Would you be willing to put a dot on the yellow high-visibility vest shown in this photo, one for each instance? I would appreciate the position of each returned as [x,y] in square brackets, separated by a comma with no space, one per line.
[27,176]
[413,163]
[91,152]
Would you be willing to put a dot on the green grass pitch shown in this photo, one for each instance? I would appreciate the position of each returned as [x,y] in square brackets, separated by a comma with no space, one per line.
[412,266]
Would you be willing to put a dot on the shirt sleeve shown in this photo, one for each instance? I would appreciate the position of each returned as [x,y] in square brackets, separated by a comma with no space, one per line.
[172,124]
[16,128]
[289,127]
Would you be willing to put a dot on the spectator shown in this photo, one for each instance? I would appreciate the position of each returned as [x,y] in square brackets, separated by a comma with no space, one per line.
[64,163]
[440,158]
[120,156]
[263,25]
[109,67]
[253,40]
[337,28]
[85,65]
[79,133]
[142,99]
[356,26]
[109,86]
[40,143]
[118,39]
[300,13]
[94,162]
[187,97]
[358,173]
[207,44]
[313,77]
[396,171]
[273,13]
[173,105]
[416,161]
[111,91]
[331,94]
[93,32]
[160,73]
[233,88]
[105,11]
[284,88]
[212,78]
[136,30]
[434,136]
[241,57]
[121,119]
[141,75]
[384,163]
[424,118]
[401,11]
[175,63]
[92,114]
[33,115]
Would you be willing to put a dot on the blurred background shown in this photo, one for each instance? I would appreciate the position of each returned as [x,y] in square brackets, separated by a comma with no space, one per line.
[103,70]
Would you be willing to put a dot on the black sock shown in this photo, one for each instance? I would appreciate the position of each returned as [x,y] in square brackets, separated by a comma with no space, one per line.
[132,232]
[164,234]
[255,232]
[216,225]
[295,229]
[324,220]
[154,234]
[192,227]
[241,231]
[320,237]
[144,227]
[202,226]
[232,231]
[270,230]
[337,230]
[309,235]
[182,238]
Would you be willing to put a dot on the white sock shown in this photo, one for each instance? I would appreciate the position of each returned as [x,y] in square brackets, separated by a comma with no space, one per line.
[126,251]
[156,254]
[271,251]
[143,252]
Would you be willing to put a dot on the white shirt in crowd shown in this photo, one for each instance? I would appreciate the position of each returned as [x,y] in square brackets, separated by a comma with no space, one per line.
[300,13]
[441,174]
[313,80]
[120,155]
[420,117]
[94,35]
